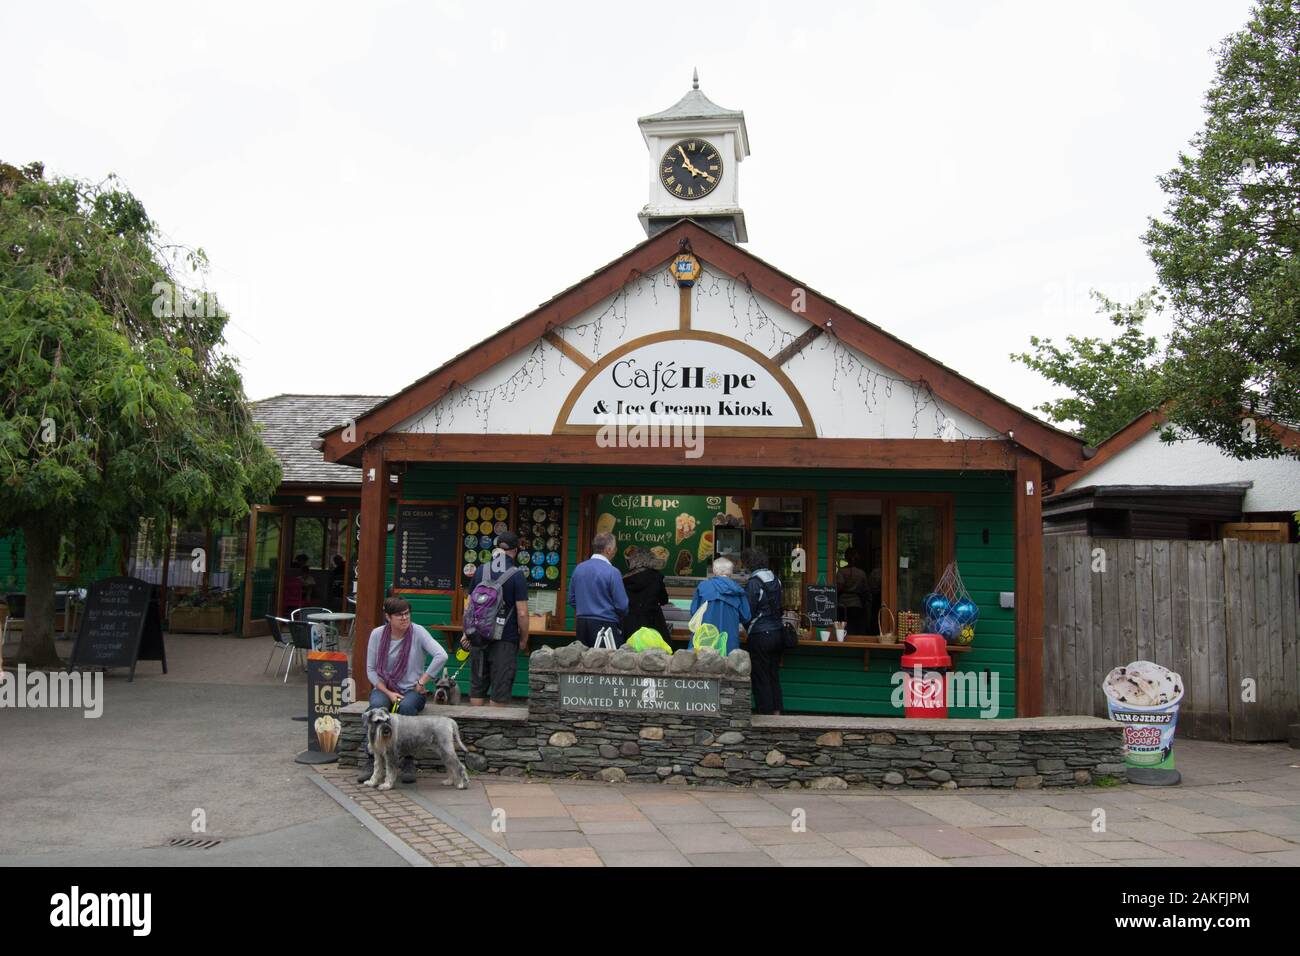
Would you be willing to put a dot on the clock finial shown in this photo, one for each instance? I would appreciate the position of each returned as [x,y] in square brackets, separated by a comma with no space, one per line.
[695,79]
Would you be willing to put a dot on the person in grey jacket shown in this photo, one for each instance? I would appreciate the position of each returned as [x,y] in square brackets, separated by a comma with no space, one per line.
[395,659]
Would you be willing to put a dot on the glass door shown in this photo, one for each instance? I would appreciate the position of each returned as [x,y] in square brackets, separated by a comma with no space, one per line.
[261,595]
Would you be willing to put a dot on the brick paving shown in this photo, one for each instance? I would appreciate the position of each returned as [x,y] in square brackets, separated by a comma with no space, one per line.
[436,841]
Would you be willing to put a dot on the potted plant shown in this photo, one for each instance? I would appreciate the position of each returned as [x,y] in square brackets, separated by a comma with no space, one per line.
[203,611]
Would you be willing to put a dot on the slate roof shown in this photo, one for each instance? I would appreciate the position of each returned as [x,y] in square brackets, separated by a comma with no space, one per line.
[290,423]
[694,105]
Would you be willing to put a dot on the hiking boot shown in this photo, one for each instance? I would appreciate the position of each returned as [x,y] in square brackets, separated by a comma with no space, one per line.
[368,769]
[408,770]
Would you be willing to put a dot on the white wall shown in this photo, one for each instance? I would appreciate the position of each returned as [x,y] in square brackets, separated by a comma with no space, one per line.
[847,394]
[1149,461]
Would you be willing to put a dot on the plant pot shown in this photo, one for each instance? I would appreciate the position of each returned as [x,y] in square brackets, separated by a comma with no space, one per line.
[202,620]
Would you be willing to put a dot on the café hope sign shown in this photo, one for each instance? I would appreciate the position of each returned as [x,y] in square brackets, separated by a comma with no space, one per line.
[686,696]
[686,378]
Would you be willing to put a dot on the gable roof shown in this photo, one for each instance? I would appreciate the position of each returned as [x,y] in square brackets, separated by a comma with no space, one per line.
[1053,445]
[290,423]
[1140,427]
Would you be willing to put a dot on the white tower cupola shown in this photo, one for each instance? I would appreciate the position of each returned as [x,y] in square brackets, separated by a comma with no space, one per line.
[696,148]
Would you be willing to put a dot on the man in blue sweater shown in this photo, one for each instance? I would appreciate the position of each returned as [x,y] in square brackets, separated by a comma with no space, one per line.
[597,595]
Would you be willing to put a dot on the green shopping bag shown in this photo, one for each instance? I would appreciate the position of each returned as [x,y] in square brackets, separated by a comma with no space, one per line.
[708,636]
[646,638]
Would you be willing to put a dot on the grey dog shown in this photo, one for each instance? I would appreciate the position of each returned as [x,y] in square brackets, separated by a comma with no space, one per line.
[393,736]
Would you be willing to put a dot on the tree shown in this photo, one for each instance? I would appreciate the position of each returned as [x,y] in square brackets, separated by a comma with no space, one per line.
[1226,246]
[119,402]
[1113,381]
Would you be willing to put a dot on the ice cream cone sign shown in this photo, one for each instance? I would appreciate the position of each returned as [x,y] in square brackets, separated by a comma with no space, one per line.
[698,617]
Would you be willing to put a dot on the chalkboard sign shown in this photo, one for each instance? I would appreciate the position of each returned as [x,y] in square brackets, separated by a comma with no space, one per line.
[121,625]
[428,546]
[819,605]
[540,520]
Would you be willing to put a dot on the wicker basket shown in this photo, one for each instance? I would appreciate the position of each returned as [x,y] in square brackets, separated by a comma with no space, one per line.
[885,625]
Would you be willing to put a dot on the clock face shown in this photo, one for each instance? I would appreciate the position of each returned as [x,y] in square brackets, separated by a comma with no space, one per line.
[691,169]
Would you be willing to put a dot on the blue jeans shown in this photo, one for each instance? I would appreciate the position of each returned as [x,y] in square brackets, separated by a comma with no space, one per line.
[412,703]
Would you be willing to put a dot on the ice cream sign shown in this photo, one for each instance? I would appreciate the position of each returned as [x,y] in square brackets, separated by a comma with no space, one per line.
[1144,697]
[689,378]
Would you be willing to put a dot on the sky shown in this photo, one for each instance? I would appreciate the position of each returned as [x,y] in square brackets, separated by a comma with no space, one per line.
[379,186]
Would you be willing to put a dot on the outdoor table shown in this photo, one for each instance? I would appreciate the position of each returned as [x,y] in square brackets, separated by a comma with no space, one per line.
[331,618]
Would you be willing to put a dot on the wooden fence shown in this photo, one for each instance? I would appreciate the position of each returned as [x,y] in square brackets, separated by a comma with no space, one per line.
[1220,613]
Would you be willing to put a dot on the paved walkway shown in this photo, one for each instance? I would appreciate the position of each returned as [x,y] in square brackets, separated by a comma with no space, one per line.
[1239,806]
[215,734]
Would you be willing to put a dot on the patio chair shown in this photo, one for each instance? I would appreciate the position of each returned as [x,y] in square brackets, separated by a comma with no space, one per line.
[301,634]
[17,604]
[281,642]
[327,634]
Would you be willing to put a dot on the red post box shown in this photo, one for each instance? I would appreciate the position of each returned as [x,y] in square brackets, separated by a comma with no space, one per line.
[926,695]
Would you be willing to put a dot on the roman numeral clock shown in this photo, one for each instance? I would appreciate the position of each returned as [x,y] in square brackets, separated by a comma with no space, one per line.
[695,150]
[691,169]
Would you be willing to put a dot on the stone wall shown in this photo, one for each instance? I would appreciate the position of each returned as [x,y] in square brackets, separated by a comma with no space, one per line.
[548,737]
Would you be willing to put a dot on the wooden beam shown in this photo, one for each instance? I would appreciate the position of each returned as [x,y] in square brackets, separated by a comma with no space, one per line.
[684,309]
[1062,449]
[1028,497]
[372,558]
[569,352]
[723,451]
[797,346]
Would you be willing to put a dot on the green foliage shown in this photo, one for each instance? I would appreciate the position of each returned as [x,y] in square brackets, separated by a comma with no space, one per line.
[1226,246]
[113,410]
[1113,381]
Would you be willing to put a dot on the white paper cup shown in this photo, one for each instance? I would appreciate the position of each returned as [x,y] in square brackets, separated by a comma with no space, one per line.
[824,635]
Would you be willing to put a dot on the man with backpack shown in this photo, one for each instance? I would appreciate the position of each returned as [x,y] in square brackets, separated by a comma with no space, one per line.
[496,624]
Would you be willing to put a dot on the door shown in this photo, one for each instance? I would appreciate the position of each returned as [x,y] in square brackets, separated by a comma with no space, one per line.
[261,596]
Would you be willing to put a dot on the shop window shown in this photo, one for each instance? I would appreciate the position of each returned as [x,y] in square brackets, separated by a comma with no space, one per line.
[919,548]
[858,559]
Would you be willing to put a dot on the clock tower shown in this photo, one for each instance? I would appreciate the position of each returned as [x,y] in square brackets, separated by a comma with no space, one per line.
[696,148]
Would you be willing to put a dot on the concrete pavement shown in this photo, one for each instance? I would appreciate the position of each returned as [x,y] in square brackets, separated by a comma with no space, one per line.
[216,735]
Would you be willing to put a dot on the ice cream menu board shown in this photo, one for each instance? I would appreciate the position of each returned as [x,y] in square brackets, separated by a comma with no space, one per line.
[678,529]
[540,520]
[427,544]
[486,516]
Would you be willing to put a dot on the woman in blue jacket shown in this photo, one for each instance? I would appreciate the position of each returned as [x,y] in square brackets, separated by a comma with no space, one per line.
[728,605]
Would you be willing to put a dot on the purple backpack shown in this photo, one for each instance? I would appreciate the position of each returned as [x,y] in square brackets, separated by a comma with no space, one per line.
[486,615]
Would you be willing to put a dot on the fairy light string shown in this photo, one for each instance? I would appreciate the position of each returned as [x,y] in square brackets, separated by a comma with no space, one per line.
[610,327]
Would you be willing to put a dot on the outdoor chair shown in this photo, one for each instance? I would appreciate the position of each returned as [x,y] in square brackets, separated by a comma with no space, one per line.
[17,604]
[327,634]
[281,641]
[303,641]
